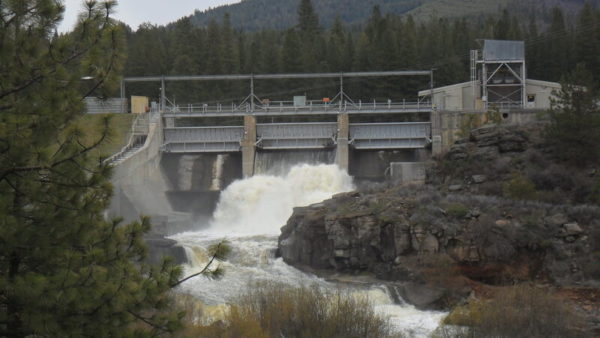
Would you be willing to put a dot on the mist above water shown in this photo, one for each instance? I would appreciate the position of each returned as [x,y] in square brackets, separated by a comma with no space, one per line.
[262,204]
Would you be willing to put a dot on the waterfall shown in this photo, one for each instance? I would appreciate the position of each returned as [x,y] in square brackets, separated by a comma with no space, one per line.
[263,203]
[249,214]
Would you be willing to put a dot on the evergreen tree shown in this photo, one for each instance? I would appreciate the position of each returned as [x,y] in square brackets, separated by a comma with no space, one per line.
[532,50]
[291,55]
[66,271]
[557,46]
[574,131]
[502,29]
[587,38]
[337,59]
[308,21]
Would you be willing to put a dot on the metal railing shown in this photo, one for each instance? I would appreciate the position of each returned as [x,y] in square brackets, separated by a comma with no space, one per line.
[139,127]
[289,107]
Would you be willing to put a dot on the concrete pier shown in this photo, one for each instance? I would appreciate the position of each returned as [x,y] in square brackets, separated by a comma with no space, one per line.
[342,148]
[249,145]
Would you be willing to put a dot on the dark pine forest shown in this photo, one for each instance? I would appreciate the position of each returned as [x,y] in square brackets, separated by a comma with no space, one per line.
[554,47]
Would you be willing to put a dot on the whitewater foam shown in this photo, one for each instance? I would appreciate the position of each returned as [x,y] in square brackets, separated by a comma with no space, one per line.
[249,215]
[262,204]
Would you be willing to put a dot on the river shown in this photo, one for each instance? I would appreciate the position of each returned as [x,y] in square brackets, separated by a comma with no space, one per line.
[249,214]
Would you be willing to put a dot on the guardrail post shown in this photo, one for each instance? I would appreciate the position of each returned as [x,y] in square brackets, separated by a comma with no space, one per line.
[403,104]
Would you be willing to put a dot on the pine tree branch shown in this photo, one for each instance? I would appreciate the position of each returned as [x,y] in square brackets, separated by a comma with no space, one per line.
[214,256]
[55,164]
[110,68]
[147,321]
[76,54]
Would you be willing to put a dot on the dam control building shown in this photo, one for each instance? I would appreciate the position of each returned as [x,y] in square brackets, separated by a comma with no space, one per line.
[498,81]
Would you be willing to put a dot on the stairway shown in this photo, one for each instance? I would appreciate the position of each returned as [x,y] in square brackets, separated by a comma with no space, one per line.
[139,133]
[123,155]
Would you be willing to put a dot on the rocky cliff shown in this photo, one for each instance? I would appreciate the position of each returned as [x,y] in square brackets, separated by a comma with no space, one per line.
[464,227]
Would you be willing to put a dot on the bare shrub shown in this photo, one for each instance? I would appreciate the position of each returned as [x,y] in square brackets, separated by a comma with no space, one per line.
[519,311]
[277,311]
[595,194]
[520,187]
[552,177]
[457,210]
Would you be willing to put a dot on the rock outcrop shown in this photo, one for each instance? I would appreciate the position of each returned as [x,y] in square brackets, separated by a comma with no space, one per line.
[488,239]
[417,235]
[496,209]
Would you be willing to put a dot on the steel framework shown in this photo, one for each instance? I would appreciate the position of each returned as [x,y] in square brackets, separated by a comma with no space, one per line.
[252,98]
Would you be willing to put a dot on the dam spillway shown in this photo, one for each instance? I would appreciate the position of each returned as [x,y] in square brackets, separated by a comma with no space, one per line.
[352,129]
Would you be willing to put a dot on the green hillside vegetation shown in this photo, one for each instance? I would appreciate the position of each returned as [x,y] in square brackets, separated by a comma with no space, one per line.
[458,8]
[255,15]
[90,126]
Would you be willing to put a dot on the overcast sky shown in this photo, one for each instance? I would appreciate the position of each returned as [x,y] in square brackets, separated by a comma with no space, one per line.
[135,12]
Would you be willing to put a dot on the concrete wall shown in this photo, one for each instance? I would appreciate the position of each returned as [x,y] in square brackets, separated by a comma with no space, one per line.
[449,126]
[408,172]
[140,188]
[374,165]
[542,92]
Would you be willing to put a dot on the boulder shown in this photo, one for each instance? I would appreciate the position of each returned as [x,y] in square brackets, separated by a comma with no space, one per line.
[486,153]
[556,220]
[458,152]
[512,143]
[160,247]
[422,296]
[572,229]
[430,245]
[479,178]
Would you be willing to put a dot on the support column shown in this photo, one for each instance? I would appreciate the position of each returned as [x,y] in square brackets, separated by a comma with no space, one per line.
[436,133]
[163,95]
[342,149]
[249,145]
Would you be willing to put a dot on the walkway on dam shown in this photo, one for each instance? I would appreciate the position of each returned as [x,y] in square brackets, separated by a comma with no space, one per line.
[285,108]
[180,135]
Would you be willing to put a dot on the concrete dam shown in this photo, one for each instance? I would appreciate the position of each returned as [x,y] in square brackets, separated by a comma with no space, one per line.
[181,156]
[192,152]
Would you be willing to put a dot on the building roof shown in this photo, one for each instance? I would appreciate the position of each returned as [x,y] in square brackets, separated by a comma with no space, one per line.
[503,50]
[555,85]
[426,92]
[529,82]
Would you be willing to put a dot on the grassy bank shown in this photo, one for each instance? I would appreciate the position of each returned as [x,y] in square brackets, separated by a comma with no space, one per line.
[91,126]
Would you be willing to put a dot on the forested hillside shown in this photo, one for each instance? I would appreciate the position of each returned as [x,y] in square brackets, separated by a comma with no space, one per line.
[388,42]
[254,15]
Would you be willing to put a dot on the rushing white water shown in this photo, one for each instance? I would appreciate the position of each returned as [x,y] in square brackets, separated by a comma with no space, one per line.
[249,215]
